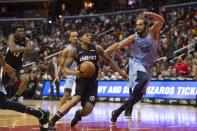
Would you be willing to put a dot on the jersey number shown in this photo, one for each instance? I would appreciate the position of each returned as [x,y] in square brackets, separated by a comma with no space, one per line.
[16,54]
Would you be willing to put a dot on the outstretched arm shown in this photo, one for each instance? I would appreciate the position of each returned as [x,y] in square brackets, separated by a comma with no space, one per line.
[101,52]
[69,60]
[127,41]
[158,23]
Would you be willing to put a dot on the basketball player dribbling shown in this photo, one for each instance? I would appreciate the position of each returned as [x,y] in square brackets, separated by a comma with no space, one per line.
[42,115]
[86,87]
[144,54]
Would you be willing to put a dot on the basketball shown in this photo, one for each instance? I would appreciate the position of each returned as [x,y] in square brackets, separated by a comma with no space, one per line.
[88,68]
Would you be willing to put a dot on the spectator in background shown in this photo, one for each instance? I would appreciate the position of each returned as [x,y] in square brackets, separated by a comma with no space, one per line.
[52,68]
[103,76]
[195,73]
[188,59]
[45,75]
[116,76]
[195,56]
[154,72]
[174,73]
[168,47]
[193,70]
[181,67]
[32,85]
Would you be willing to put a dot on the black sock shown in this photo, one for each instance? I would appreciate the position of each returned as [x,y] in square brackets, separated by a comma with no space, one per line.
[78,114]
[129,103]
[121,108]
[55,118]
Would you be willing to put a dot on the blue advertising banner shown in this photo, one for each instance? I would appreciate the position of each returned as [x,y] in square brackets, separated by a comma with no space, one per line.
[156,89]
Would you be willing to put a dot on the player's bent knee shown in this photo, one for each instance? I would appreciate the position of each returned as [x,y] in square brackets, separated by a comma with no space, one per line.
[88,108]
[87,111]
[67,94]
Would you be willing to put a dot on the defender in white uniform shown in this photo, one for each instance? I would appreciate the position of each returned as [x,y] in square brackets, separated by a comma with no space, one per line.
[70,81]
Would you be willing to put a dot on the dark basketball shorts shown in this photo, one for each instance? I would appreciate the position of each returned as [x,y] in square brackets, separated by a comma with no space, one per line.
[87,89]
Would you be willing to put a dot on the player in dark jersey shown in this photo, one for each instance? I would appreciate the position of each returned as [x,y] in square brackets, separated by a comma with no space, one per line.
[86,87]
[42,115]
[18,45]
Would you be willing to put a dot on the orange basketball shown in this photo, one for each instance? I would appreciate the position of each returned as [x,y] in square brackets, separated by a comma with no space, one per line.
[88,68]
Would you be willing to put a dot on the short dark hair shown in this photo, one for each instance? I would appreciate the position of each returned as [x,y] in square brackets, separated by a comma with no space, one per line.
[82,32]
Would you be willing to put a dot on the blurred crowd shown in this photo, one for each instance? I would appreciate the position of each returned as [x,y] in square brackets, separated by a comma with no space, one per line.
[50,37]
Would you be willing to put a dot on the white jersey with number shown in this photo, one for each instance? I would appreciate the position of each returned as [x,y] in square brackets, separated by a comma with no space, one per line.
[70,80]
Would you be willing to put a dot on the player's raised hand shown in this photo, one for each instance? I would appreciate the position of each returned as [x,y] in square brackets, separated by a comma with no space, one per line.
[149,14]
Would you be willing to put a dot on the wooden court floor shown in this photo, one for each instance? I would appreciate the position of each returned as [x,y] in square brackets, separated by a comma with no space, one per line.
[145,117]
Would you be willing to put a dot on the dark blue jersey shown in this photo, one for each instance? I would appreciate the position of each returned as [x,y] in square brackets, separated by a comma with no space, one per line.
[88,55]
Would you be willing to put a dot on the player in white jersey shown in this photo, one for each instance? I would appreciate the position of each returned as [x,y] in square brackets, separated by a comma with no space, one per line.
[144,53]
[70,82]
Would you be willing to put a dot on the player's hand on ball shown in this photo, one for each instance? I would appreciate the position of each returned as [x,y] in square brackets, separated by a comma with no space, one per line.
[123,75]
[80,74]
